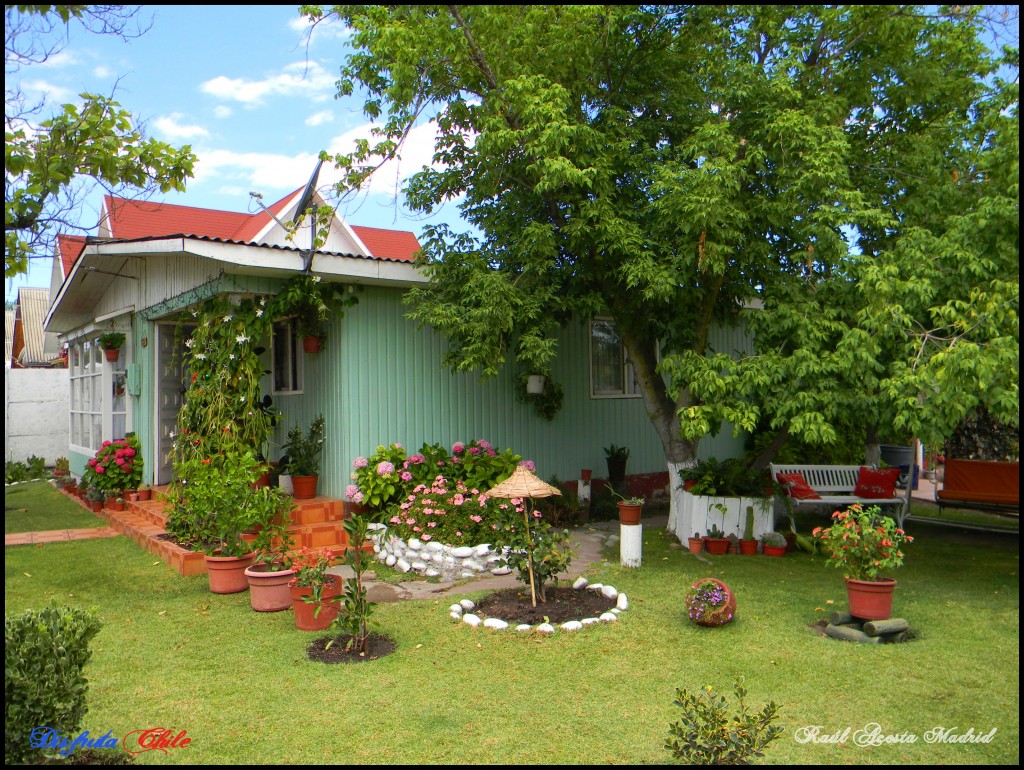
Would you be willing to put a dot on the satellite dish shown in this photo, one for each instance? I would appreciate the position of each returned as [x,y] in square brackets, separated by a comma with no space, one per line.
[304,201]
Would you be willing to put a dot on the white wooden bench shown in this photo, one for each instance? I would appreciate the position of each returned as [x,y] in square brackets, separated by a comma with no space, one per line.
[835,485]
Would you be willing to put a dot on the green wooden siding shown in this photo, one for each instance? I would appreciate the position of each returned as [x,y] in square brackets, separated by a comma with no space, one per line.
[379,380]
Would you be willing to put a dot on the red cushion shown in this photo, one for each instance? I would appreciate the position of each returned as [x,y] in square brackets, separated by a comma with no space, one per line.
[797,486]
[876,484]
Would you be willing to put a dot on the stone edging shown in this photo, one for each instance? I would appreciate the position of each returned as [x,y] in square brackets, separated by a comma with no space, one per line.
[433,559]
[462,611]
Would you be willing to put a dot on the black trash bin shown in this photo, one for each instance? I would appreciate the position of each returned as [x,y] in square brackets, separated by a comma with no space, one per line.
[904,472]
[901,457]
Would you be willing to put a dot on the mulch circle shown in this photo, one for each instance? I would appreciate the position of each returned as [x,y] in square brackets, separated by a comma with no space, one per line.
[377,646]
[513,605]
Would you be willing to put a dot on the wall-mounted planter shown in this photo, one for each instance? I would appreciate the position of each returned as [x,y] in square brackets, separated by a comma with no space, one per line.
[535,384]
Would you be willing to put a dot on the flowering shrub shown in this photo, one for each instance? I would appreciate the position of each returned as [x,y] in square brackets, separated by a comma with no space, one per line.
[444,512]
[117,466]
[538,547]
[310,567]
[863,542]
[707,603]
[385,480]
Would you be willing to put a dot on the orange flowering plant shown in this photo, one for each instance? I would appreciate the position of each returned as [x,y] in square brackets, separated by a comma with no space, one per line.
[863,542]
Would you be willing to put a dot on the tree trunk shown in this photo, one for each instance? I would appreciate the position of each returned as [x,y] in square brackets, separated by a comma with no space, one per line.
[872,448]
[761,462]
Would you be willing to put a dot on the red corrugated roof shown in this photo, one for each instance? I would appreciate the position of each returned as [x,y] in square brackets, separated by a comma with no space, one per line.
[145,219]
[69,246]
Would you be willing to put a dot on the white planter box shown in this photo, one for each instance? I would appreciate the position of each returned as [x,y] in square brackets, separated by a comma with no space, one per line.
[700,513]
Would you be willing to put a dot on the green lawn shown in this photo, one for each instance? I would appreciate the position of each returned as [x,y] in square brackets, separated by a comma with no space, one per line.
[172,654]
[36,507]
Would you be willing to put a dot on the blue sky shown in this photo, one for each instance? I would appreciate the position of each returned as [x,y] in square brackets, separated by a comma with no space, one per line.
[256,103]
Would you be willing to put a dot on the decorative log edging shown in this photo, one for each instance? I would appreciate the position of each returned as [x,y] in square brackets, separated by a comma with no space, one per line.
[463,612]
[845,627]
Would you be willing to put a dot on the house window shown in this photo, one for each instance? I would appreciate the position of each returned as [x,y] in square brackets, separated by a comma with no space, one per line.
[287,358]
[611,375]
[85,372]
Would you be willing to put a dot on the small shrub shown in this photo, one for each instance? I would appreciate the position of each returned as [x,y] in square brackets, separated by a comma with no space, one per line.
[36,467]
[44,654]
[15,471]
[709,734]
[539,547]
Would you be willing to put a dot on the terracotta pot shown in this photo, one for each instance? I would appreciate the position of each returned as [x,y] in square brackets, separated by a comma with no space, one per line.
[689,484]
[227,573]
[696,545]
[870,599]
[112,354]
[629,514]
[306,617]
[716,546]
[774,550]
[721,615]
[585,474]
[304,487]
[268,590]
[96,506]
[115,506]
[133,497]
[311,344]
[145,495]
[748,547]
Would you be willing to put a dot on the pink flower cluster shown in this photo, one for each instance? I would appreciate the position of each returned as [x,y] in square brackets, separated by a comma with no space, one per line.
[384,468]
[439,512]
[352,493]
[360,462]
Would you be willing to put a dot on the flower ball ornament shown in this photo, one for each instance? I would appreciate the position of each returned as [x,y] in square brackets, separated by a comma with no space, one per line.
[710,602]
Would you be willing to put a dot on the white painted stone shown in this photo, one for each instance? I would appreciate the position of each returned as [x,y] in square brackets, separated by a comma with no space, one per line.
[382,556]
[419,566]
[595,586]
[589,621]
[402,565]
[609,617]
[483,549]
[616,610]
[546,628]
[524,627]
[609,591]
[622,603]
[467,573]
[415,545]
[471,619]
[390,560]
[376,547]
[495,557]
[462,552]
[572,625]
[580,583]
[467,604]
[456,615]
[431,572]
[456,608]
[496,623]
[499,571]
[437,558]
[433,547]
[612,540]
[473,565]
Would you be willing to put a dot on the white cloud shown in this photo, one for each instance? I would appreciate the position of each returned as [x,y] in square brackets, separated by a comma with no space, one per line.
[307,79]
[103,71]
[417,151]
[59,59]
[264,172]
[171,127]
[48,90]
[319,118]
[222,111]
[329,28]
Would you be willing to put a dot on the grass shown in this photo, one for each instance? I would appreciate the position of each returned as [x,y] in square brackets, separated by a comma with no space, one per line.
[172,654]
[36,507]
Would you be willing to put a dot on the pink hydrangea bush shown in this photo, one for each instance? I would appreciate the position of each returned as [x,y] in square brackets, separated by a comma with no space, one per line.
[116,467]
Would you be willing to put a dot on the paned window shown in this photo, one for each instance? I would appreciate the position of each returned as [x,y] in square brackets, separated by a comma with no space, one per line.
[611,375]
[85,373]
[287,351]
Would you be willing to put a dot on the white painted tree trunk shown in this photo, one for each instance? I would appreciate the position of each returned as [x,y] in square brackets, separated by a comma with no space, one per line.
[675,491]
[631,544]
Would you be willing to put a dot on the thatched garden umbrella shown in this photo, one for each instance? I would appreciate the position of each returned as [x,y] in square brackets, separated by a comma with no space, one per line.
[523,484]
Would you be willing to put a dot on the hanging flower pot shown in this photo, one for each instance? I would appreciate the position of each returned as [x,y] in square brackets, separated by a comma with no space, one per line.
[535,384]
[311,344]
[112,354]
[870,599]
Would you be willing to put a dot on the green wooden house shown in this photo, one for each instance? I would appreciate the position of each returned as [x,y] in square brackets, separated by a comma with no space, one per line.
[378,380]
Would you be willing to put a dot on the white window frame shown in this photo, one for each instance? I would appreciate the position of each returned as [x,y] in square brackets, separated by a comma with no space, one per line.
[295,358]
[95,373]
[629,381]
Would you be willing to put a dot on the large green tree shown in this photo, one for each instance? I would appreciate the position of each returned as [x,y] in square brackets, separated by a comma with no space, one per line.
[52,151]
[813,171]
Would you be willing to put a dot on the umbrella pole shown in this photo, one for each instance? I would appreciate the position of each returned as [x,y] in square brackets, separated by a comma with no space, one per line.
[529,553]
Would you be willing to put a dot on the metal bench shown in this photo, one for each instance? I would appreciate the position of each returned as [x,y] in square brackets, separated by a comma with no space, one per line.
[835,485]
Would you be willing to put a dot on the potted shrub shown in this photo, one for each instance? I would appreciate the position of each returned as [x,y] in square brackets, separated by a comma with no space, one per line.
[304,453]
[774,544]
[715,542]
[111,343]
[61,467]
[145,493]
[864,543]
[314,592]
[748,543]
[630,508]
[271,570]
[95,499]
[116,467]
[616,457]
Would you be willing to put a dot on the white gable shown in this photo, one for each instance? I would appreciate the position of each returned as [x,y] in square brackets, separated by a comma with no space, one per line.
[342,239]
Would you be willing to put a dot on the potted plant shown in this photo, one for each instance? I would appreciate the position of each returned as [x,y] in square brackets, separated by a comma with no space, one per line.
[95,499]
[774,544]
[864,543]
[61,467]
[715,542]
[271,570]
[748,543]
[314,592]
[710,602]
[696,544]
[616,457]
[630,508]
[111,343]
[314,303]
[117,505]
[145,493]
[304,453]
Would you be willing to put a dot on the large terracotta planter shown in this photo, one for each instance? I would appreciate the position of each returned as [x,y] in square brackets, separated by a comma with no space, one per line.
[870,599]
[304,487]
[777,551]
[716,546]
[721,615]
[748,547]
[306,617]
[629,514]
[227,573]
[268,590]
